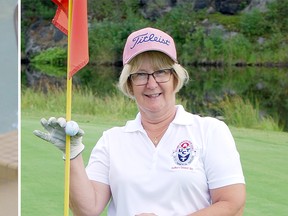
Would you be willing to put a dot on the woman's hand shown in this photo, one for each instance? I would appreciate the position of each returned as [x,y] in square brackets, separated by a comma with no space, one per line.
[55,134]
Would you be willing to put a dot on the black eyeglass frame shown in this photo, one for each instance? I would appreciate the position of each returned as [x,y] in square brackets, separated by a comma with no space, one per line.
[171,70]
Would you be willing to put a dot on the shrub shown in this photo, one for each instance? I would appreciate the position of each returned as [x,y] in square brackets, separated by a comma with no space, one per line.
[277,15]
[237,48]
[253,23]
[53,56]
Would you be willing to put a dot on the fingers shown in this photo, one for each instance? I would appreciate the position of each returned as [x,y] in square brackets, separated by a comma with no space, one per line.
[53,123]
[60,123]
[56,135]
[80,133]
[45,125]
[42,135]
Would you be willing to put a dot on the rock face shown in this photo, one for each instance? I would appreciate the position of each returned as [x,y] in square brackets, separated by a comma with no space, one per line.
[259,4]
[231,6]
[152,9]
[42,35]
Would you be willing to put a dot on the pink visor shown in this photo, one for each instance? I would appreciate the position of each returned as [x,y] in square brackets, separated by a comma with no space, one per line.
[148,39]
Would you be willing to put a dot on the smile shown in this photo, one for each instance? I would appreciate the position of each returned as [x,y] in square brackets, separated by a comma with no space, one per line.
[153,95]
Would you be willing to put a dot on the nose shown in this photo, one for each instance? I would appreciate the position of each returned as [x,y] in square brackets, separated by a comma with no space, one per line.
[151,82]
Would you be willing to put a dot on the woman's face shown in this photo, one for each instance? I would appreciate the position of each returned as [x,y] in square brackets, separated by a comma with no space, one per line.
[153,97]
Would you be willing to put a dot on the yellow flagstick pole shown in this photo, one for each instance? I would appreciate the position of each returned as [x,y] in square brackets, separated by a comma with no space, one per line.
[68,115]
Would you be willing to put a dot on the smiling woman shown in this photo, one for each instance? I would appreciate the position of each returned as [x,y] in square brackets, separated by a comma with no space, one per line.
[131,167]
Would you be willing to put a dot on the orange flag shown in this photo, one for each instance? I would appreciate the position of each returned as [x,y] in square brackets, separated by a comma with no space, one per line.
[79,54]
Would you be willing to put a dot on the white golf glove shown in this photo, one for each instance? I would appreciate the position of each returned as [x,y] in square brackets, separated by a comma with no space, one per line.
[56,135]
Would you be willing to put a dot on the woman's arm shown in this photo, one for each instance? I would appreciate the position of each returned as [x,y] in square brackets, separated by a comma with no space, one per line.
[86,197]
[226,201]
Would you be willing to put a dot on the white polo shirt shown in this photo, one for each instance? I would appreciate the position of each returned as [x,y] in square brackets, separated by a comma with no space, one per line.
[173,179]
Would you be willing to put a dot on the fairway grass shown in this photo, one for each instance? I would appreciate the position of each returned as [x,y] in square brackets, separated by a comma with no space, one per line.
[264,157]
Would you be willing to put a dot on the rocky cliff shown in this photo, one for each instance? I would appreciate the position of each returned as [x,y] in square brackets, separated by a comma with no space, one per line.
[42,34]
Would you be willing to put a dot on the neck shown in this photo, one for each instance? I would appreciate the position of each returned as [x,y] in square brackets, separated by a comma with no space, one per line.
[156,121]
[156,127]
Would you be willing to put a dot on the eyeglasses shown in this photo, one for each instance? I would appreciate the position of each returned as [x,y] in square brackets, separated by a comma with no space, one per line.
[160,76]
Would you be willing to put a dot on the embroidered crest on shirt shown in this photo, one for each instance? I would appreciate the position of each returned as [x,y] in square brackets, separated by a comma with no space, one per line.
[184,154]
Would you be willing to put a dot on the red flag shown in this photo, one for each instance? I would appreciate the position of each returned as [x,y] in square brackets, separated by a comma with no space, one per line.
[79,55]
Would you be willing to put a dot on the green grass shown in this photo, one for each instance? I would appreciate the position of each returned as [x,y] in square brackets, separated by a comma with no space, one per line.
[84,102]
[264,159]
[241,113]
[263,155]
[236,111]
[42,168]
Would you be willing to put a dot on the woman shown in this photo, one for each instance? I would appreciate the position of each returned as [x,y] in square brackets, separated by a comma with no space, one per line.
[165,162]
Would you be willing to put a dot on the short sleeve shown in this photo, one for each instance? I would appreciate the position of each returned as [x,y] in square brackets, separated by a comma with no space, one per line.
[98,165]
[221,158]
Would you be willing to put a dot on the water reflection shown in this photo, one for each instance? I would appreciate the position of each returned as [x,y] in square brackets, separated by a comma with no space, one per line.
[207,86]
[265,86]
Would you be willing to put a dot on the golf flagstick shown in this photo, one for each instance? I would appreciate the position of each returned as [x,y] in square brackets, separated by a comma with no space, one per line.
[71,19]
[68,114]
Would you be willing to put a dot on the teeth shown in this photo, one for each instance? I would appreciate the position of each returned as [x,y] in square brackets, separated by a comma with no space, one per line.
[154,95]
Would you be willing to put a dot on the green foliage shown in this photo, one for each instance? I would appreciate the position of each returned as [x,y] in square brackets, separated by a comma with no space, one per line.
[199,38]
[103,42]
[50,69]
[53,56]
[266,87]
[101,80]
[277,15]
[112,21]
[107,39]
[52,61]
[256,23]
[236,111]
[273,50]
[214,43]
[112,10]
[180,22]
[237,49]
[241,113]
[192,47]
[85,102]
[32,9]
[231,23]
[214,46]
[253,24]
[102,9]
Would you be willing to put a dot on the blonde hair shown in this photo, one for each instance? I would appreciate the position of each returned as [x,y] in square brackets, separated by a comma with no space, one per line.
[158,60]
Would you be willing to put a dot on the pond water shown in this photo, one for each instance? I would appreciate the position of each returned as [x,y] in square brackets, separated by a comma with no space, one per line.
[9,67]
[206,88]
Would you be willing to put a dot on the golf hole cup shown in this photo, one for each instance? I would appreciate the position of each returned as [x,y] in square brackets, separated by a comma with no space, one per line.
[71,128]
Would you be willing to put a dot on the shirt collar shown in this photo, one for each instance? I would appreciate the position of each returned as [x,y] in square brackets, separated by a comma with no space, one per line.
[182,118]
[134,125]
